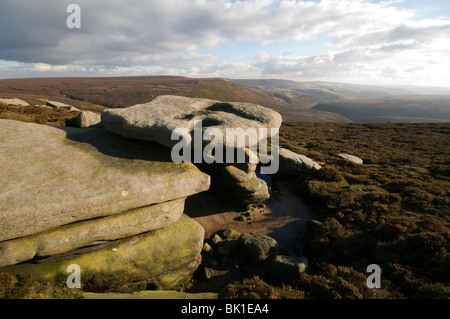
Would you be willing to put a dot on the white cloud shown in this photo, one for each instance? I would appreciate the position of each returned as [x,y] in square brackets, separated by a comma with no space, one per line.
[134,27]
[397,51]
[372,41]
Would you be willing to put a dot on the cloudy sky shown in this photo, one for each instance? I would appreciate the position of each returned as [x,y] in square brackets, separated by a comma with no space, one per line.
[356,41]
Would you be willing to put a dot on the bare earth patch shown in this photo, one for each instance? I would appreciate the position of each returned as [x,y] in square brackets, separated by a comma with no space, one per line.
[283,216]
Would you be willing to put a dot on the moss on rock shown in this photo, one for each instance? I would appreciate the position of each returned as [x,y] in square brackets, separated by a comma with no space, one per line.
[163,258]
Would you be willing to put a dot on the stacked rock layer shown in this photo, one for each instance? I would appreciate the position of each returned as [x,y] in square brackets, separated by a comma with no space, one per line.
[88,197]
[155,121]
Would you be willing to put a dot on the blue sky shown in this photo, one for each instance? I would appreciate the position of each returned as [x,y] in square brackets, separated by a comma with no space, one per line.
[245,50]
[356,41]
[425,8]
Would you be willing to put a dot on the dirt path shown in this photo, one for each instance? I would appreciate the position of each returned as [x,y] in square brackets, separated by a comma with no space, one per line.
[283,216]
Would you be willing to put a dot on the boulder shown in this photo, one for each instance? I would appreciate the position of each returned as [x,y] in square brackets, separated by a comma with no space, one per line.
[237,175]
[155,121]
[231,183]
[285,268]
[254,191]
[55,104]
[90,233]
[257,247]
[207,248]
[74,109]
[15,102]
[216,239]
[350,158]
[292,161]
[53,176]
[87,119]
[230,234]
[163,258]
[206,272]
[248,165]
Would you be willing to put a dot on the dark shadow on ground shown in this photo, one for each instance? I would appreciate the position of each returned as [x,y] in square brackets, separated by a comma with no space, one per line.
[285,205]
[204,204]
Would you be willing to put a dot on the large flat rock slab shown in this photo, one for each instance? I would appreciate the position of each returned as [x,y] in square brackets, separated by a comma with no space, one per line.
[293,162]
[55,104]
[52,176]
[16,102]
[90,233]
[155,121]
[163,258]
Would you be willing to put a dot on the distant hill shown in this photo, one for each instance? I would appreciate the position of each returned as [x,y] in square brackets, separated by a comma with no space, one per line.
[328,91]
[295,101]
[408,109]
[361,103]
[100,92]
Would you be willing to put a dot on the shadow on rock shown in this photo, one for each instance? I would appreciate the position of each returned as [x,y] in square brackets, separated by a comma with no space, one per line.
[116,146]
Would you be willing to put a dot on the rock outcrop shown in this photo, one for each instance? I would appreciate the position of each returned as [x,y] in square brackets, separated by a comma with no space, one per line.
[65,238]
[55,176]
[231,183]
[284,268]
[163,258]
[87,119]
[257,247]
[155,121]
[232,255]
[350,158]
[78,196]
[15,102]
[55,104]
[293,162]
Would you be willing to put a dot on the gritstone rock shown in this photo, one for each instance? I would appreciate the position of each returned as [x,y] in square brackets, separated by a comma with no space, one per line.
[155,121]
[296,162]
[163,258]
[87,119]
[15,102]
[56,176]
[350,158]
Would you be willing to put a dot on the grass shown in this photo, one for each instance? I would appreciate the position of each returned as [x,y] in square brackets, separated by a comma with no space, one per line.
[256,288]
[127,91]
[394,210]
[54,117]
[24,287]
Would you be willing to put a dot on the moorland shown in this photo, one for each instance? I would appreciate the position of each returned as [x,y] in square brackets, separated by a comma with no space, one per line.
[393,210]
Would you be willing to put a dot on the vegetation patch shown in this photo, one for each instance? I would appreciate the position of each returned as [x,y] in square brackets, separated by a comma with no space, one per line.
[24,287]
[393,210]
[256,288]
[39,115]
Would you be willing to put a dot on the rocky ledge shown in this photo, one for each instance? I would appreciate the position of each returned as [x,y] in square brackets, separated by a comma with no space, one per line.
[155,121]
[92,198]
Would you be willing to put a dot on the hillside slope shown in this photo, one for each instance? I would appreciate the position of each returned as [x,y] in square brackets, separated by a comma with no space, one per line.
[409,109]
[97,93]
[328,91]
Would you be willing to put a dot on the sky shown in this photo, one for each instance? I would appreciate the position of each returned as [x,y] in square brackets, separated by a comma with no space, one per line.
[356,41]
